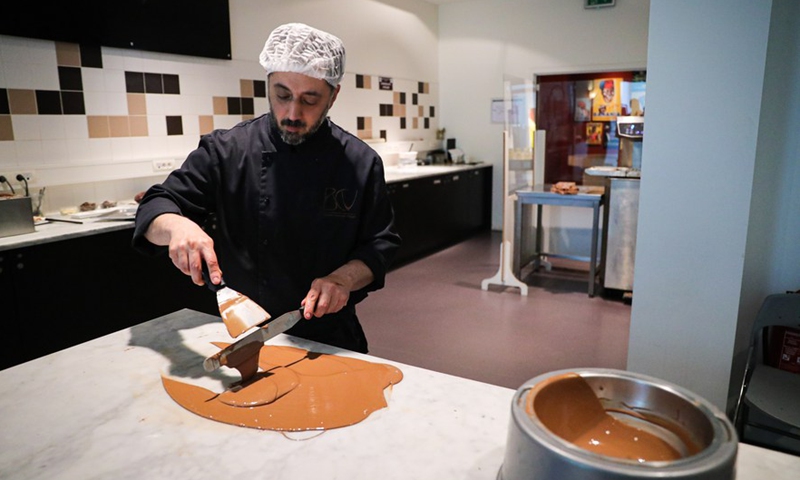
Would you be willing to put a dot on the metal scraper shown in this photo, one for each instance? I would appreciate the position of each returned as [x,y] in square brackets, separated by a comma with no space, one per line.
[239,313]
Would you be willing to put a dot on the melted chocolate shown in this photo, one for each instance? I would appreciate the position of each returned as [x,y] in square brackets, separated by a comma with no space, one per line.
[569,408]
[296,390]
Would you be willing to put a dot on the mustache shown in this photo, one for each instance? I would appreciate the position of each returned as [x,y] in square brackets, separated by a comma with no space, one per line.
[292,123]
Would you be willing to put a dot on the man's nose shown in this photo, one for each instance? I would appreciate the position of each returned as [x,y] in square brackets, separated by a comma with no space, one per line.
[295,111]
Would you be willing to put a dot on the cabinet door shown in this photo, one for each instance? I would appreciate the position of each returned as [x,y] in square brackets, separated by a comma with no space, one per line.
[71,291]
[10,324]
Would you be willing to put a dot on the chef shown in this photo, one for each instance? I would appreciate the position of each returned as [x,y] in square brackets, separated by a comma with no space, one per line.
[290,206]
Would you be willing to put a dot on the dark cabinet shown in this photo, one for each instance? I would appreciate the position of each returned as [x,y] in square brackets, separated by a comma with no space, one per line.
[434,212]
[62,293]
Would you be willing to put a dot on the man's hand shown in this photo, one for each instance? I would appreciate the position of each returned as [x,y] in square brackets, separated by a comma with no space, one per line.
[329,294]
[189,246]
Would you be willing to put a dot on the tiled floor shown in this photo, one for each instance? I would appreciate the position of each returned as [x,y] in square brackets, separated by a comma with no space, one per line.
[433,314]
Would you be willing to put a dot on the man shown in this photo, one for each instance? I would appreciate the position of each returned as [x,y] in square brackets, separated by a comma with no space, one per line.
[291,207]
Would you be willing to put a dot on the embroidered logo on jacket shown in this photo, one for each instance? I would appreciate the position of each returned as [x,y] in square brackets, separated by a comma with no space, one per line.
[339,202]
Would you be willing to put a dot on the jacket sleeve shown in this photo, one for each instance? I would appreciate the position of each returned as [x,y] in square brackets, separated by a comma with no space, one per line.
[187,191]
[378,240]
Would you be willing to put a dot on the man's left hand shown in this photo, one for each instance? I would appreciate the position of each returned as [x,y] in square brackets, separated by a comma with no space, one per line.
[330,294]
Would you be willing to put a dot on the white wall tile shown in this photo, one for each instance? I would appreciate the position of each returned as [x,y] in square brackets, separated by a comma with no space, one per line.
[26,127]
[52,127]
[53,151]
[29,152]
[96,103]
[114,80]
[156,125]
[76,127]
[93,80]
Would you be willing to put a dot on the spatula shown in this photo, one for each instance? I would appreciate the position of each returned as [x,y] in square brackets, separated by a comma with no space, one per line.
[238,312]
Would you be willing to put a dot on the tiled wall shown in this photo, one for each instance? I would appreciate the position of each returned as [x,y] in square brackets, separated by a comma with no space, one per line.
[78,114]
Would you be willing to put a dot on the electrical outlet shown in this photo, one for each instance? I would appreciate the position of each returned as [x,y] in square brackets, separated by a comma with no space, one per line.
[163,165]
[10,181]
[28,176]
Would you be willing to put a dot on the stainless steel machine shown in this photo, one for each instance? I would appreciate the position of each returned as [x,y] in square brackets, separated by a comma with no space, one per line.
[621,210]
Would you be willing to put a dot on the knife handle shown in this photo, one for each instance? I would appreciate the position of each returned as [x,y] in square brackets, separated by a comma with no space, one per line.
[207,279]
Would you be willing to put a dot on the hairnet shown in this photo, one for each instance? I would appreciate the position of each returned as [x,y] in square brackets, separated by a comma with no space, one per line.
[298,48]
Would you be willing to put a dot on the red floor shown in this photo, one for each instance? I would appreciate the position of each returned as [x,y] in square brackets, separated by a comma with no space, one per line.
[433,314]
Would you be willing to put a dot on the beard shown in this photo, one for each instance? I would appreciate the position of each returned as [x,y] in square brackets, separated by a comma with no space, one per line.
[295,138]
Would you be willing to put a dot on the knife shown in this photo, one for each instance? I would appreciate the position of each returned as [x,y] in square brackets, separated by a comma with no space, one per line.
[248,346]
[238,312]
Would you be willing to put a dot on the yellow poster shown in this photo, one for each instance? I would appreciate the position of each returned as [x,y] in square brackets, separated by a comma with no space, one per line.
[606,103]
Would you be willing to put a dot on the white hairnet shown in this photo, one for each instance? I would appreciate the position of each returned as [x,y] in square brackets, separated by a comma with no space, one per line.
[298,48]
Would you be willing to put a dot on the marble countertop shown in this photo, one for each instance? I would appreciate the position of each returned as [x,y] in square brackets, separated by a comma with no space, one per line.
[55,231]
[398,174]
[98,410]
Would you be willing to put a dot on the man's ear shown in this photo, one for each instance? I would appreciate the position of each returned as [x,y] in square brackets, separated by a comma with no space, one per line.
[335,95]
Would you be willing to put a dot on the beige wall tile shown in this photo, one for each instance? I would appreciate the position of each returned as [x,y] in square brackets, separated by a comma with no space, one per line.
[98,126]
[137,104]
[68,54]
[138,124]
[246,87]
[6,129]
[22,102]
[206,124]
[119,126]
[220,106]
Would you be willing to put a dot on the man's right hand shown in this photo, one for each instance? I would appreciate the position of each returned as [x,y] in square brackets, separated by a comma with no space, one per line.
[189,246]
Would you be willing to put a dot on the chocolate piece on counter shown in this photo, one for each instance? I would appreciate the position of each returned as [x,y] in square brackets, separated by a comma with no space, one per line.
[87,206]
[108,204]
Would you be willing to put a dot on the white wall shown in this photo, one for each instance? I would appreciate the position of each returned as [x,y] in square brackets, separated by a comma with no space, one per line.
[396,39]
[718,211]
[481,41]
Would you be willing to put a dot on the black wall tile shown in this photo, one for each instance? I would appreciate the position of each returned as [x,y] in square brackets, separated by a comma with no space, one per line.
[172,84]
[174,125]
[73,103]
[134,82]
[91,57]
[48,102]
[234,106]
[152,83]
[4,107]
[69,78]
[259,88]
[248,107]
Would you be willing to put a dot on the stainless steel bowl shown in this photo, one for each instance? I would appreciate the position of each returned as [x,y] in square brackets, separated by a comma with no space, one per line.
[534,452]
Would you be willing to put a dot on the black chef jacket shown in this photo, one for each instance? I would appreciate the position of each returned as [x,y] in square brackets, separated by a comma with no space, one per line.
[283,215]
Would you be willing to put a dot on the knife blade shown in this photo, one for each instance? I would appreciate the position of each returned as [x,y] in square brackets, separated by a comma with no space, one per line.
[251,344]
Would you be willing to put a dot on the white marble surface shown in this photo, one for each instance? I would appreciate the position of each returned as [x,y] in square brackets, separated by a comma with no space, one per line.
[55,231]
[399,174]
[98,410]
